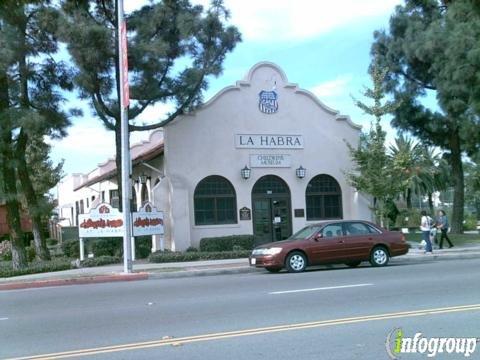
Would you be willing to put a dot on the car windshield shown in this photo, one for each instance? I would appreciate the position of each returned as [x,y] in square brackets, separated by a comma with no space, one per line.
[306,232]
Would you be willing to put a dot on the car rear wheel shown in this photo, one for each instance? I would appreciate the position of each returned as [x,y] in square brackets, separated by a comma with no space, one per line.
[379,256]
[273,270]
[296,262]
[353,264]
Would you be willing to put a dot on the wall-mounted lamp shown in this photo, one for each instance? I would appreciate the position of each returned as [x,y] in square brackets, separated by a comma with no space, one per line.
[301,172]
[142,178]
[245,172]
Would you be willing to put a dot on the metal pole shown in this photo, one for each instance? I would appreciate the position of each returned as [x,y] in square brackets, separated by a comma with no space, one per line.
[126,163]
[82,250]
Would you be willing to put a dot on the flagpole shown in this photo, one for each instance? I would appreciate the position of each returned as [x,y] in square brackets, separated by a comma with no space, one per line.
[125,151]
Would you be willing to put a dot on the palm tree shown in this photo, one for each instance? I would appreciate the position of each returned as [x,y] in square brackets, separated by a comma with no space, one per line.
[406,156]
[438,170]
[420,169]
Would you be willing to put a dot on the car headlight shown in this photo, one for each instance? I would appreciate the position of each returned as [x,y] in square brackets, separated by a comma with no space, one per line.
[272,251]
[267,251]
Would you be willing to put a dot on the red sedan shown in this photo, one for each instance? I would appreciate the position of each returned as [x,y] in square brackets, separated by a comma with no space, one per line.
[338,241]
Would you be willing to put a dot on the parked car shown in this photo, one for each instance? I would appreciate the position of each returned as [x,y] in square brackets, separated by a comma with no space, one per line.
[341,241]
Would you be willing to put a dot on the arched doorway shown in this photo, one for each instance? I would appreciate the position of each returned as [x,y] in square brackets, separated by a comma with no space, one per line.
[271,210]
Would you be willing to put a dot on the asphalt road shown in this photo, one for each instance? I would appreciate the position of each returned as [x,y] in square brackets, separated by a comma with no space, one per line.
[336,313]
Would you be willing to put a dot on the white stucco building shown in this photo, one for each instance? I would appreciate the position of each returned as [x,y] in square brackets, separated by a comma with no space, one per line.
[292,150]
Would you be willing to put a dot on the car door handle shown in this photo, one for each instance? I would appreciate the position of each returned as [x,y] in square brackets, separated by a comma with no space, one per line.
[341,241]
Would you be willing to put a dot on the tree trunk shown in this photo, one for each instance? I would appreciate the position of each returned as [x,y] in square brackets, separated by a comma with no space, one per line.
[477,208]
[409,198]
[34,209]
[458,184]
[19,258]
[430,204]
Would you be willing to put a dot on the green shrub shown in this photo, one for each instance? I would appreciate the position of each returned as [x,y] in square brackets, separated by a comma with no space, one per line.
[192,249]
[5,250]
[36,267]
[143,247]
[226,243]
[470,222]
[30,252]
[100,261]
[106,246]
[165,257]
[27,238]
[71,248]
[52,242]
[408,218]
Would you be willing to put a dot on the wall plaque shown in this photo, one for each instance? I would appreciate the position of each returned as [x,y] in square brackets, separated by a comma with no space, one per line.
[245,214]
[299,212]
[270,160]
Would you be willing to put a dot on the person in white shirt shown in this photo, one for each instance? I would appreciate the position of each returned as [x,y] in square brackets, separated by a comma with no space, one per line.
[425,227]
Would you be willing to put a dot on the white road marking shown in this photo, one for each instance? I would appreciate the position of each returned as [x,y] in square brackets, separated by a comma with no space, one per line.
[3,319]
[318,289]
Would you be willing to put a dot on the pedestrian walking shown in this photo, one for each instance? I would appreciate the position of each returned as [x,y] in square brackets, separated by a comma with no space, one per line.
[442,225]
[425,227]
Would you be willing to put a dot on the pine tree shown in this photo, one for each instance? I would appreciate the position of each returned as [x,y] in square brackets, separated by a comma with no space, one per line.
[373,171]
[33,81]
[433,46]
[173,47]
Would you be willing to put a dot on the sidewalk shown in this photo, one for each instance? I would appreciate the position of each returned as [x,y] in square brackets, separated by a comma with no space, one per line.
[145,270]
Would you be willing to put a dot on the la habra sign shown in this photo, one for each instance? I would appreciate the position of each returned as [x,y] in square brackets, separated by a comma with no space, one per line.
[264,141]
[106,221]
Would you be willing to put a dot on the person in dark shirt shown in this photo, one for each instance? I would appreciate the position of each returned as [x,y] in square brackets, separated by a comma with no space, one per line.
[442,225]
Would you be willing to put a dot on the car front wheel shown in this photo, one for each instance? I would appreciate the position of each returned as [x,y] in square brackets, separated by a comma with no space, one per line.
[379,256]
[296,262]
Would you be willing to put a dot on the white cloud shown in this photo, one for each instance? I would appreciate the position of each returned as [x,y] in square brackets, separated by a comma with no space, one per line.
[88,143]
[274,20]
[154,113]
[335,87]
[281,20]
[86,137]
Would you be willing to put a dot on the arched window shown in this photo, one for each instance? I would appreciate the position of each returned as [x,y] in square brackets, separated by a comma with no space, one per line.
[215,202]
[323,198]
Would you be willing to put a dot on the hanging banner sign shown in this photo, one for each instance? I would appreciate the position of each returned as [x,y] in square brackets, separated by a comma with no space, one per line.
[102,221]
[126,91]
[107,221]
[147,221]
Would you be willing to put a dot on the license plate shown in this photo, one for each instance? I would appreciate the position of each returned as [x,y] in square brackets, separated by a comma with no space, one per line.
[253,261]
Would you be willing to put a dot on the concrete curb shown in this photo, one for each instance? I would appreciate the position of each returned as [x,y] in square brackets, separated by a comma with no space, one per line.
[203,272]
[74,281]
[435,257]
[242,269]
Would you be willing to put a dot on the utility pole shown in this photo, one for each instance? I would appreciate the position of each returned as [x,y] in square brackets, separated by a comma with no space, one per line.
[126,162]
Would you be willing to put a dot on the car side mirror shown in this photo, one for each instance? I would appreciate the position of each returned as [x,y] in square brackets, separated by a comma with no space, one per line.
[318,237]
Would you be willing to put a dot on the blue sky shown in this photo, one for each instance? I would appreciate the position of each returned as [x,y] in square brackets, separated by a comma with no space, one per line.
[323,46]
